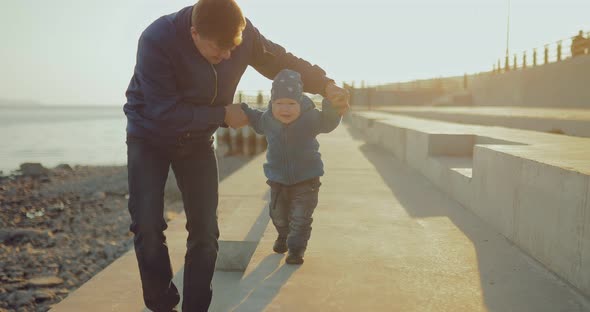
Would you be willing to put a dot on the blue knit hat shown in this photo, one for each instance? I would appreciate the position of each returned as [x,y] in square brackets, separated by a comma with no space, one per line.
[287,84]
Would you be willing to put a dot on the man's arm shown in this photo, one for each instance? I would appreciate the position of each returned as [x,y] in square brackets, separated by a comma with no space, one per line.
[268,58]
[160,95]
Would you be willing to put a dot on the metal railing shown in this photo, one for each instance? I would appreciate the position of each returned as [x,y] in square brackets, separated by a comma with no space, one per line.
[243,141]
[550,53]
[260,99]
[255,98]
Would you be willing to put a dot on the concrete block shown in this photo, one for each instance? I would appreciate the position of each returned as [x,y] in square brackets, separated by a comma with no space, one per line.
[550,213]
[373,132]
[393,139]
[437,173]
[450,175]
[416,148]
[585,252]
[450,144]
[365,122]
[495,181]
[460,188]
[455,178]
[356,121]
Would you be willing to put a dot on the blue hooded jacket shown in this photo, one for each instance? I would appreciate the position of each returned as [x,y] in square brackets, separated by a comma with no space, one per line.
[293,153]
[174,90]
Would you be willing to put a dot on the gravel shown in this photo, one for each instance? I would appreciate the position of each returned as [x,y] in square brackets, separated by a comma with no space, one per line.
[60,228]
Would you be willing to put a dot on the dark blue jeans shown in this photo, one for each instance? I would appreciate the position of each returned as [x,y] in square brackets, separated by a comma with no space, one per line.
[291,209]
[195,167]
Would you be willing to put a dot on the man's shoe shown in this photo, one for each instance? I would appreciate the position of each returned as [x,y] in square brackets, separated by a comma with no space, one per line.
[294,257]
[280,245]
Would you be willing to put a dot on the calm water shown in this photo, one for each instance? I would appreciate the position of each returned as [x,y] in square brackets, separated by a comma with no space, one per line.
[55,135]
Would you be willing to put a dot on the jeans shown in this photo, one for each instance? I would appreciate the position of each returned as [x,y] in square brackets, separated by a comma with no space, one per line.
[291,210]
[195,167]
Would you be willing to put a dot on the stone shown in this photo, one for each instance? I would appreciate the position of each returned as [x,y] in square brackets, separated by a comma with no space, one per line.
[59,206]
[61,239]
[43,294]
[45,281]
[22,297]
[25,235]
[110,251]
[33,169]
[98,195]
[14,268]
[64,167]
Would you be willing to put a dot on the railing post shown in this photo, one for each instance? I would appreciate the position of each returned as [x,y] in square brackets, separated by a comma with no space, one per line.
[514,65]
[249,141]
[559,51]
[369,97]
[507,64]
[546,54]
[524,60]
[259,99]
[534,57]
[223,140]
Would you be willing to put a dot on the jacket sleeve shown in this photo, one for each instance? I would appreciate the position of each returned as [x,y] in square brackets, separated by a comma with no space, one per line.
[327,119]
[160,95]
[255,119]
[268,58]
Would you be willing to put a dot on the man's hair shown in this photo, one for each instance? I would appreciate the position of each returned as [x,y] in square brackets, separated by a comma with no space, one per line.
[219,20]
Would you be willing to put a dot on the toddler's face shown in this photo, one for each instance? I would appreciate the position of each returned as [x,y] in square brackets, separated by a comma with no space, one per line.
[286,110]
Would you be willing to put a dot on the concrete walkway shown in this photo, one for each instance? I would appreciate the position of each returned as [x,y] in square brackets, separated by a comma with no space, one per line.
[384,239]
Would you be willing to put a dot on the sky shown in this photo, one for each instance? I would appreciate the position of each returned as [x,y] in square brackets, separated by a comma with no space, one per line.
[80,52]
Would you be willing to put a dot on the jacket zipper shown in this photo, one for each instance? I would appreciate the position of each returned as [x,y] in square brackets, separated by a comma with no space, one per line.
[215,94]
[287,167]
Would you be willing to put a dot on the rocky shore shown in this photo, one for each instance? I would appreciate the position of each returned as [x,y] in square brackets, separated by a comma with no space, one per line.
[61,226]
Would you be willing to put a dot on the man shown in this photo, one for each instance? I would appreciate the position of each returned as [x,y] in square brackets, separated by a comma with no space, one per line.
[188,66]
[578,44]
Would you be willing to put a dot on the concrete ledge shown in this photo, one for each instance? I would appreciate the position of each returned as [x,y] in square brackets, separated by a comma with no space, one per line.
[531,187]
[234,256]
[550,205]
[495,184]
[574,122]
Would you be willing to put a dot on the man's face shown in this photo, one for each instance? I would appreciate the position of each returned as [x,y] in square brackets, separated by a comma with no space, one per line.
[212,52]
[286,110]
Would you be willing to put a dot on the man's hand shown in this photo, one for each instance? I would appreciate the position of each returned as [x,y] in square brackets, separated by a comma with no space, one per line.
[339,97]
[235,116]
